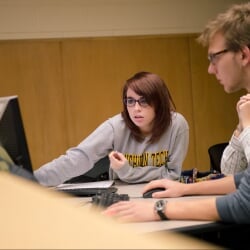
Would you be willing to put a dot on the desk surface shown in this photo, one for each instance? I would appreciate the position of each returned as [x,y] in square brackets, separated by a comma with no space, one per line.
[219,234]
[134,192]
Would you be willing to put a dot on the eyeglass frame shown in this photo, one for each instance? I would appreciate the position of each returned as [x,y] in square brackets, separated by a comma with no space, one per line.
[212,56]
[141,101]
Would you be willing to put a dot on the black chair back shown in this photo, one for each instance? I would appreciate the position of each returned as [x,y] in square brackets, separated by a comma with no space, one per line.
[215,153]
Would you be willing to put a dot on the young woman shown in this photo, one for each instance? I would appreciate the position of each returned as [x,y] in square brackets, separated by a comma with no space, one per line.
[148,140]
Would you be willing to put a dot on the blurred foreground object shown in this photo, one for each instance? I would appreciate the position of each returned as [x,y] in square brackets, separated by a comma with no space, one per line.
[35,217]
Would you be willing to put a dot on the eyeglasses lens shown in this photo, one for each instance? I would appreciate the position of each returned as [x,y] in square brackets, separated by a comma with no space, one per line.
[130,102]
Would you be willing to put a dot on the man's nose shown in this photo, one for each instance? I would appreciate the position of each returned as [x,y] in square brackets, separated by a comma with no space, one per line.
[211,69]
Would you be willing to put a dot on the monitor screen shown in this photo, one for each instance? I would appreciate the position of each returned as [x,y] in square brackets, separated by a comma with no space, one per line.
[12,134]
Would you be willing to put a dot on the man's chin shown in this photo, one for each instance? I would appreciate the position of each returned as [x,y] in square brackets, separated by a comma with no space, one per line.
[229,90]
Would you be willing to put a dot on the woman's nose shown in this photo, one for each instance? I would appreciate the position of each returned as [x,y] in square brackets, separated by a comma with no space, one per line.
[137,105]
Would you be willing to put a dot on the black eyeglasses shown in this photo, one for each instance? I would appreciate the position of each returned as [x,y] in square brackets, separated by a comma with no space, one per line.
[212,56]
[130,102]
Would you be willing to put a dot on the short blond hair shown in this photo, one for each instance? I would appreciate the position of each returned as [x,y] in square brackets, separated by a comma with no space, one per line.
[233,24]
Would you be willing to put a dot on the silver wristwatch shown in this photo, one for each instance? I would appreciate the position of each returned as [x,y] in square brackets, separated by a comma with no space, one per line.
[160,209]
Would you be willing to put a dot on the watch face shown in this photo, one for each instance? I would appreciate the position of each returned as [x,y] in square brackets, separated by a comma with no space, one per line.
[159,205]
[160,209]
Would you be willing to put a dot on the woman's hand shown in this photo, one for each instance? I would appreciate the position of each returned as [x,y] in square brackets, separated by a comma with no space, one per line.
[117,160]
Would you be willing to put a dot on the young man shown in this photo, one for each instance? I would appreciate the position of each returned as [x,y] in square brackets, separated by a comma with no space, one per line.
[228,41]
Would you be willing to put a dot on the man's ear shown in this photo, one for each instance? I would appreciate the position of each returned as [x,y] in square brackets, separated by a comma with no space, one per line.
[245,55]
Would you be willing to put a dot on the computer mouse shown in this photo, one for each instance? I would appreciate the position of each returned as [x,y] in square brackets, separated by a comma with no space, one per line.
[148,194]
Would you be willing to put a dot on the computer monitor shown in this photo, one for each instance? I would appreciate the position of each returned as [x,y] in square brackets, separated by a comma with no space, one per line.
[12,134]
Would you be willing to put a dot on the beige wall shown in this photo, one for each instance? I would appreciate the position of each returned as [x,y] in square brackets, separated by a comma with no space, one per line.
[22,19]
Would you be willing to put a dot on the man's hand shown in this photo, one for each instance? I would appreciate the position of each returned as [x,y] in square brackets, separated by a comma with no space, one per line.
[243,109]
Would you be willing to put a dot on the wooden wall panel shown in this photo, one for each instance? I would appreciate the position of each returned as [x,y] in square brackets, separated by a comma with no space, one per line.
[68,87]
[32,70]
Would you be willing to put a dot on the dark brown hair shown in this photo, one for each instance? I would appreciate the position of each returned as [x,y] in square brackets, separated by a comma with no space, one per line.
[154,90]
